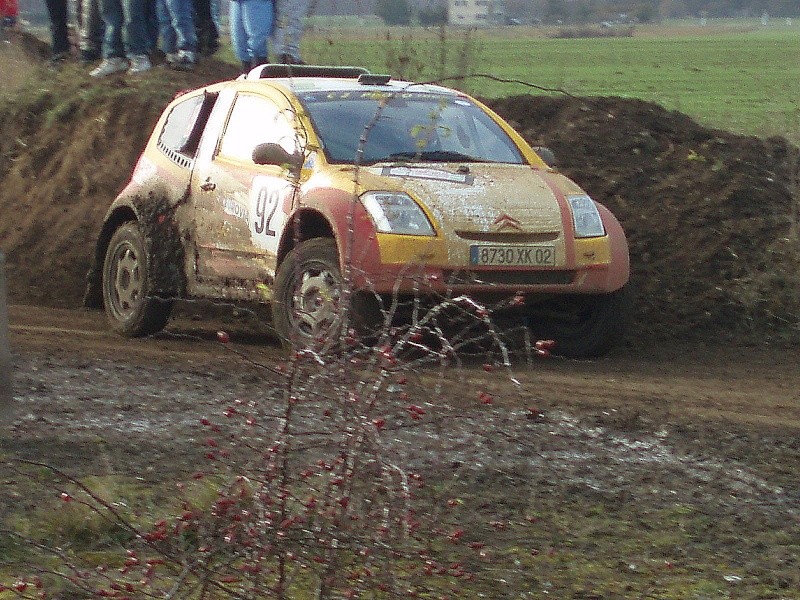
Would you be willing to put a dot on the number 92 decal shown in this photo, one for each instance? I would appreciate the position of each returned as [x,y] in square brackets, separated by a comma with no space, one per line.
[266,217]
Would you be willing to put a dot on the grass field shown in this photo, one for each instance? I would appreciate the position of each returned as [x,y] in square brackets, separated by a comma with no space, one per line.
[735,75]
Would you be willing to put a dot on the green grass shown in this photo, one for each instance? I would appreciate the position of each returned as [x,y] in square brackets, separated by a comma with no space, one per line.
[739,77]
[732,74]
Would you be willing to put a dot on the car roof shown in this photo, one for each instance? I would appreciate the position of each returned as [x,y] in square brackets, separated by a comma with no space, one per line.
[311,78]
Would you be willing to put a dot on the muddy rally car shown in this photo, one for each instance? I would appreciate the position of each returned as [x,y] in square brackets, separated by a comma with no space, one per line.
[331,194]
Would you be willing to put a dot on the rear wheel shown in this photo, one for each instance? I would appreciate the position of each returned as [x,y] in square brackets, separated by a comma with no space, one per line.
[583,326]
[127,286]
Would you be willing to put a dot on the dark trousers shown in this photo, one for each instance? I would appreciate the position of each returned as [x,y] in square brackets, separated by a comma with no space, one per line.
[207,34]
[57,9]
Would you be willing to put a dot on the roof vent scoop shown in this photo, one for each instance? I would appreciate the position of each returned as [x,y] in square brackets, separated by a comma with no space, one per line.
[271,71]
[370,79]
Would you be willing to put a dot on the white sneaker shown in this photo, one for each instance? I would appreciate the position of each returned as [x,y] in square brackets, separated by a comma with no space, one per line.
[187,56]
[139,64]
[109,66]
[182,60]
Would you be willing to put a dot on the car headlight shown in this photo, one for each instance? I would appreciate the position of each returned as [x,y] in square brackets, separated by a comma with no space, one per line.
[585,217]
[396,212]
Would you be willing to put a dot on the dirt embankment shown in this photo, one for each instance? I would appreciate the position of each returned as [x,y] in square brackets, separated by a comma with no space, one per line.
[712,217]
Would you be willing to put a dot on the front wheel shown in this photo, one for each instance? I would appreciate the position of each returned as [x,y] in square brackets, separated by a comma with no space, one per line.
[309,307]
[583,326]
[130,308]
[307,301]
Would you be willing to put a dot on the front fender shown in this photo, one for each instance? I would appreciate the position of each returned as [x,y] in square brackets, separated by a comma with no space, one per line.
[620,267]
[351,226]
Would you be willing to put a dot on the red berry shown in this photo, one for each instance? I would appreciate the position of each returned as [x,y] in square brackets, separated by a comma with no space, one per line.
[535,414]
[545,344]
[223,337]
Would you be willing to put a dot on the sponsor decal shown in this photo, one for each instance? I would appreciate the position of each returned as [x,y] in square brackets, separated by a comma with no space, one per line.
[234,209]
[433,174]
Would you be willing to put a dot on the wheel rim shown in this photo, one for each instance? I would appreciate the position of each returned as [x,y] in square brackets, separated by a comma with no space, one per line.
[316,303]
[126,281]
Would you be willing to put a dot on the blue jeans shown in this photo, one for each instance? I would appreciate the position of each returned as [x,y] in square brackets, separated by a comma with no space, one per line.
[91,26]
[139,21]
[176,25]
[290,27]
[251,24]
[127,30]
[113,20]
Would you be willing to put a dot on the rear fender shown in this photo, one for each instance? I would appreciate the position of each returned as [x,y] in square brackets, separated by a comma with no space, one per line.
[165,239]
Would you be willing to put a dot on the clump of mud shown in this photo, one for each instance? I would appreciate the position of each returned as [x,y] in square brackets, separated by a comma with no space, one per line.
[712,218]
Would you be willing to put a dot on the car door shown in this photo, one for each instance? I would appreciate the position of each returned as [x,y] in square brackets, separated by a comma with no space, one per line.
[241,207]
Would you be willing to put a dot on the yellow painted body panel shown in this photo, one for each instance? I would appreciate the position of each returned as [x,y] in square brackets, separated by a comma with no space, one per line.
[592,251]
[411,249]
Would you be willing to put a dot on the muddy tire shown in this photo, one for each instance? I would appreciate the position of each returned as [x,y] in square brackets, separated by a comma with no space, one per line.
[307,306]
[130,308]
[586,326]
[308,309]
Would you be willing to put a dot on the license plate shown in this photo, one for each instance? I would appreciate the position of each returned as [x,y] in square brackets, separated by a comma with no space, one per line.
[513,256]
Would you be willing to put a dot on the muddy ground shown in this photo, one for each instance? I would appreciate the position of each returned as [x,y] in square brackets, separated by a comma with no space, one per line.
[661,473]
[667,470]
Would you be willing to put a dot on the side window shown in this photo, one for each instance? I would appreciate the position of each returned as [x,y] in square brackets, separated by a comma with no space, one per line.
[181,123]
[256,120]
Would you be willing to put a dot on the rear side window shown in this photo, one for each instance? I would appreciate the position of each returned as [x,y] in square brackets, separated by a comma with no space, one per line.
[181,133]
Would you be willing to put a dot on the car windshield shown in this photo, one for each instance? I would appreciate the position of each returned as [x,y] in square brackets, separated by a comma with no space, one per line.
[406,127]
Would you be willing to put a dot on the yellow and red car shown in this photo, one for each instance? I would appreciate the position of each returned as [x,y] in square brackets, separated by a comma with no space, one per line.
[290,185]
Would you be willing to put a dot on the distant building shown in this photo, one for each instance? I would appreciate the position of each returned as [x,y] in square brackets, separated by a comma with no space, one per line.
[476,12]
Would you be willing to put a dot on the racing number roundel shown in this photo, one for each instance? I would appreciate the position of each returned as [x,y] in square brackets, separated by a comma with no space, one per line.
[266,211]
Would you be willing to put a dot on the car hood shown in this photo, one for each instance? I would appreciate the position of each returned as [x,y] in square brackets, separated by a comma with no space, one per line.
[486,198]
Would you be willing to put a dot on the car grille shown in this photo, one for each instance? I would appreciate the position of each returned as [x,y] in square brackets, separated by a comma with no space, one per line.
[507,237]
[509,277]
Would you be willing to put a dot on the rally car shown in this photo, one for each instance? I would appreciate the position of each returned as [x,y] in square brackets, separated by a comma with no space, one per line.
[311,188]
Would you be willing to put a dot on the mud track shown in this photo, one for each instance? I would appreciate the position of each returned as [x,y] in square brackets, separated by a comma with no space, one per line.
[682,443]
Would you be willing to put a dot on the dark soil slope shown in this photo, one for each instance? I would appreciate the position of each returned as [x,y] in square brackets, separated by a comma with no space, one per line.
[712,218]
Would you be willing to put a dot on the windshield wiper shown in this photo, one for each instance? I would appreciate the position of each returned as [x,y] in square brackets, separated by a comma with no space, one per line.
[430,156]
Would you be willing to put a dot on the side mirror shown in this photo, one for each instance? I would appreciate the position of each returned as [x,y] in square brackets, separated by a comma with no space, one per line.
[275,154]
[547,155]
